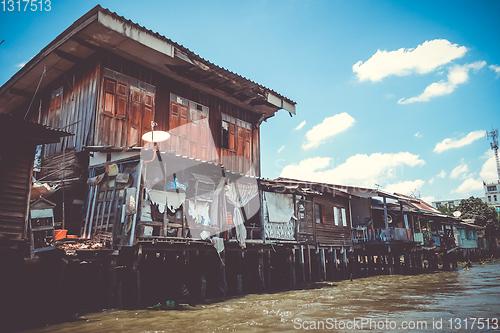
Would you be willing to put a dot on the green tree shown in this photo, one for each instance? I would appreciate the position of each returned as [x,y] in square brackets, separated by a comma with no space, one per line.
[484,215]
[445,210]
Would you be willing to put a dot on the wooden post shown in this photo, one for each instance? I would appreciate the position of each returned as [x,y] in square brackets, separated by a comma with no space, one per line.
[203,289]
[331,265]
[406,258]
[323,263]
[317,255]
[336,264]
[397,263]
[390,260]
[364,266]
[309,276]
[260,270]
[289,275]
[371,268]
[302,265]
[222,274]
[136,277]
[239,277]
[112,300]
[344,265]
[269,271]
[294,274]
[418,262]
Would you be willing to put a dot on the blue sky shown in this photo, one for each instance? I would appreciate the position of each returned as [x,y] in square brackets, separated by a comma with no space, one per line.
[395,93]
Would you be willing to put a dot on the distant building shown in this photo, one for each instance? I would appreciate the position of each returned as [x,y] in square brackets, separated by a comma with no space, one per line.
[450,203]
[492,193]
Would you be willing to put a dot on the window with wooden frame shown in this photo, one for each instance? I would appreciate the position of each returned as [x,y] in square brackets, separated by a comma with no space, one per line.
[339,216]
[189,128]
[128,107]
[115,98]
[236,144]
[319,213]
[228,133]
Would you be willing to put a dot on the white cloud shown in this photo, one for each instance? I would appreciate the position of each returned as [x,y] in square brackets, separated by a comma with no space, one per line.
[425,58]
[458,74]
[281,148]
[429,199]
[460,171]
[496,69]
[300,125]
[489,169]
[442,174]
[358,170]
[329,127]
[468,186]
[418,135]
[20,65]
[406,187]
[454,143]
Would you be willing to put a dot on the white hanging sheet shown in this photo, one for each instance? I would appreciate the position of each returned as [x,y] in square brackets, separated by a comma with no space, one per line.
[279,207]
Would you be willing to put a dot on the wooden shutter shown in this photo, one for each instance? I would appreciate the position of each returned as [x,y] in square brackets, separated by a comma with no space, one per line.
[109,96]
[148,116]
[135,116]
[232,132]
[193,133]
[121,100]
[203,138]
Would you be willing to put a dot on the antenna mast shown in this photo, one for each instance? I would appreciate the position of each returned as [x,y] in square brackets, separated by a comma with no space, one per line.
[493,135]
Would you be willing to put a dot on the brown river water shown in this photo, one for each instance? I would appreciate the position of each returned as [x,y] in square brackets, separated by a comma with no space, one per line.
[446,302]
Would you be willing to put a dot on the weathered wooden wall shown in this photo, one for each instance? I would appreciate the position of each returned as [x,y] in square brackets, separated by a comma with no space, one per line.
[16,165]
[327,233]
[165,86]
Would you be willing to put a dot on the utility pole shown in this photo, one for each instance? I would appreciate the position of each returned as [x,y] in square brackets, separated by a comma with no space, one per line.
[493,135]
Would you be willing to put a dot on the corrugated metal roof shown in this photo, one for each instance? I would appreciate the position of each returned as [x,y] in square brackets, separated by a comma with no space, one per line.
[74,45]
[16,127]
[236,77]
[313,187]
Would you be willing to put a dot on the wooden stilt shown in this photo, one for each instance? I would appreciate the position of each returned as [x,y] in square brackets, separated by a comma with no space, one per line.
[309,275]
[260,270]
[397,264]
[371,268]
[390,261]
[302,265]
[239,276]
[323,264]
[407,262]
[344,263]
[203,289]
[136,277]
[269,271]
[112,299]
[336,265]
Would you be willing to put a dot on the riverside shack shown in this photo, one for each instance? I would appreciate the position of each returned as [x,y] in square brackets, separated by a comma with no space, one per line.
[191,202]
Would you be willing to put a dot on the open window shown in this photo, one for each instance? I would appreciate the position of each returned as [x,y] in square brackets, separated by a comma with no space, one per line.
[319,214]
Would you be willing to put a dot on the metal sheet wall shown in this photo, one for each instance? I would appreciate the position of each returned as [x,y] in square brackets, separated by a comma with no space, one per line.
[77,111]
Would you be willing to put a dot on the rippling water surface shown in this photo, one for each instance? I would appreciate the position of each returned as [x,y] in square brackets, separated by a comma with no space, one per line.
[391,301]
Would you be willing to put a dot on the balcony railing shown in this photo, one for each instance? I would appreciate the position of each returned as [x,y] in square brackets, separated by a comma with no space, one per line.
[361,234]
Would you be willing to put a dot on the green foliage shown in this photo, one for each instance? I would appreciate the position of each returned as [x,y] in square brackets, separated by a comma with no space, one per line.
[445,210]
[484,215]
